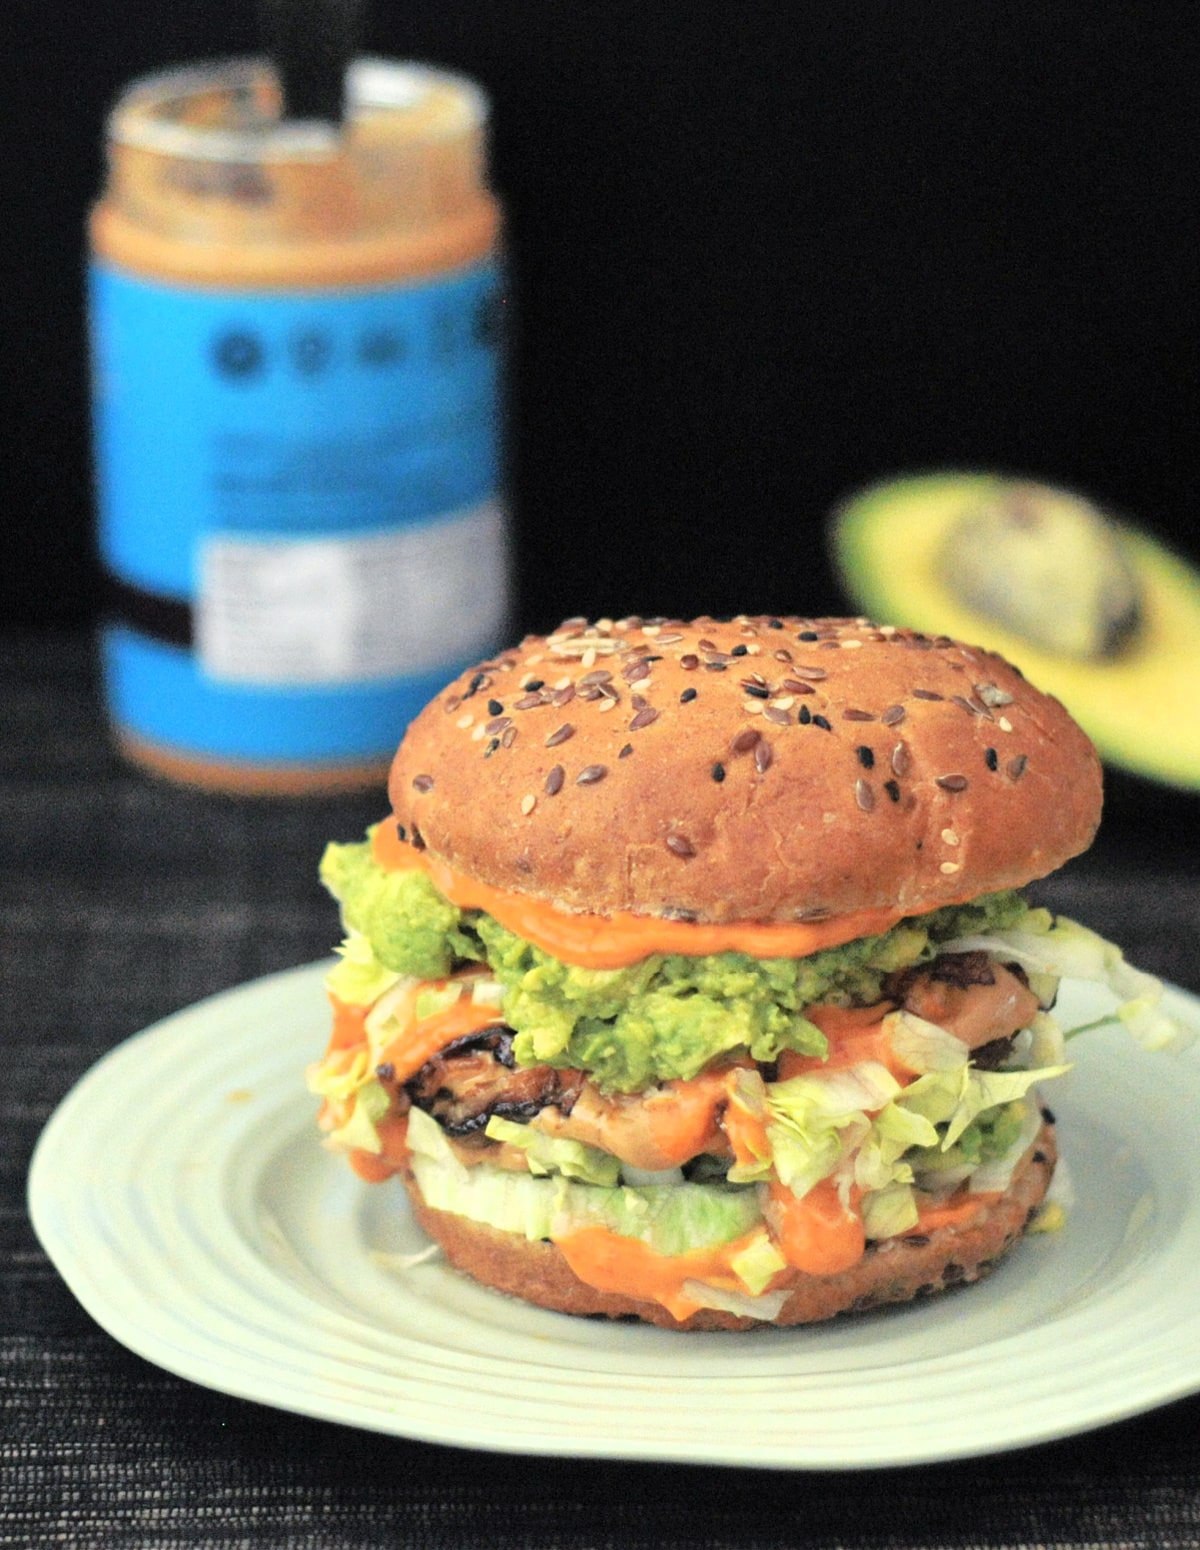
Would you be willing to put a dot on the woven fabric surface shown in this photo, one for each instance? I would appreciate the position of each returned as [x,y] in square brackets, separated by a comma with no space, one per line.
[122,900]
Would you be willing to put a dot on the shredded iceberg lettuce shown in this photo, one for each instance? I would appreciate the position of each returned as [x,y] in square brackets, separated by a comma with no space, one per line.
[1058,946]
[669,1218]
[555,1154]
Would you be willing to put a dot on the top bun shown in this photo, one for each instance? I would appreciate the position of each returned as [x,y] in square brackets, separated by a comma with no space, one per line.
[753,769]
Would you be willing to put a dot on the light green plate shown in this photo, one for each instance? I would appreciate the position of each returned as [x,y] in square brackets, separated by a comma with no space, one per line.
[183,1195]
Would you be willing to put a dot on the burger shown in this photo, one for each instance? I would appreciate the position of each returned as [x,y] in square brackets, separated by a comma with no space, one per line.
[689,978]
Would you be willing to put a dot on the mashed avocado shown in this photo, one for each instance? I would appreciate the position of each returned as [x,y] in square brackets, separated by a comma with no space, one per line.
[665,1017]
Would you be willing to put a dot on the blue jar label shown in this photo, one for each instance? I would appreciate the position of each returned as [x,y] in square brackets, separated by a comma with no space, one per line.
[310,483]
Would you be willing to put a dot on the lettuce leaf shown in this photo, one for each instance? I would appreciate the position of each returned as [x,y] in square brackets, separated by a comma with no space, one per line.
[669,1218]
[556,1154]
[1058,946]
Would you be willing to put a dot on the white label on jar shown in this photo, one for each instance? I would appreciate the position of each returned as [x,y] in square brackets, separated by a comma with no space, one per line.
[351,609]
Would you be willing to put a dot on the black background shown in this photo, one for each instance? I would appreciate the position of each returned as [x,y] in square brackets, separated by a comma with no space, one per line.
[762,253]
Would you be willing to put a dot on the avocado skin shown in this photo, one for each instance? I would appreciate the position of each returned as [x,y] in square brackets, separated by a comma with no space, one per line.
[1140,706]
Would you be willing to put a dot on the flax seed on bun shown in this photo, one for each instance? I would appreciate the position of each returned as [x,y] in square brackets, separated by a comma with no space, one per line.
[758,769]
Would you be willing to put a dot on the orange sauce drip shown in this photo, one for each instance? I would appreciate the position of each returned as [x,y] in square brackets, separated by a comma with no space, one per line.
[954,1212]
[855,1033]
[610,1263]
[375,1167]
[618,940]
[815,1232]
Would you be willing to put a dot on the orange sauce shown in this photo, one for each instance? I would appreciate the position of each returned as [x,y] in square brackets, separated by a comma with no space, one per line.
[855,1034]
[954,1212]
[610,1263]
[815,1232]
[618,940]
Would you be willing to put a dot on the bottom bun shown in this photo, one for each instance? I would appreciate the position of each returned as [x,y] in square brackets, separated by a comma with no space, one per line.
[892,1271]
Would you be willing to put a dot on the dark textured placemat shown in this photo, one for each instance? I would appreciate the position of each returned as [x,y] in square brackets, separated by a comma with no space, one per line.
[122,900]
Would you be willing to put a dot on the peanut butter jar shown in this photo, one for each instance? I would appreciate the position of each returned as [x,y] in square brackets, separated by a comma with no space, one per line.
[296,333]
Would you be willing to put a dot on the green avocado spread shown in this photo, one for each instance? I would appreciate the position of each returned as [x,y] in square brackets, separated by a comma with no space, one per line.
[666,1017]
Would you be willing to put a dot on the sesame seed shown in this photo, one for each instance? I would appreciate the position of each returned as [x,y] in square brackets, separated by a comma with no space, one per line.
[820,721]
[422,782]
[533,684]
[851,645]
[804,715]
[679,845]
[479,733]
[950,837]
[991,758]
[643,718]
[688,695]
[892,787]
[466,721]
[739,650]
[752,707]
[1004,724]
[762,757]
[745,740]
[953,782]
[783,701]
[588,659]
[626,751]
[901,759]
[607,703]
[554,781]
[808,635]
[1016,767]
[495,708]
[493,744]
[718,773]
[782,655]
[864,795]
[951,866]
[893,715]
[528,803]
[402,832]
[564,683]
[590,774]
[866,756]
[651,629]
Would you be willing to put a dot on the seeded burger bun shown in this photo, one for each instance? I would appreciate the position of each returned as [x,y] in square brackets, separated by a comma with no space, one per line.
[779,771]
[757,769]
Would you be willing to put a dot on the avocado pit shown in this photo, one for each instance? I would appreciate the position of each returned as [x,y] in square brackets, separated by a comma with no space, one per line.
[1047,565]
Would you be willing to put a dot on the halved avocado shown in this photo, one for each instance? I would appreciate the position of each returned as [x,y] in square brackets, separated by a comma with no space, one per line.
[1130,675]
